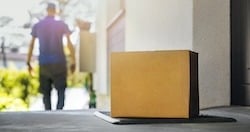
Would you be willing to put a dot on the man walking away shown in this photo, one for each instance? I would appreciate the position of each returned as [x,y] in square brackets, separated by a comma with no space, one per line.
[52,60]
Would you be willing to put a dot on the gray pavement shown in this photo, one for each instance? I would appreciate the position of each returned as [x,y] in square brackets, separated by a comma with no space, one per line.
[85,121]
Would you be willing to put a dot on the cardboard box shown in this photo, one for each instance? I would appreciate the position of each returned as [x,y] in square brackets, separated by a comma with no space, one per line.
[154,84]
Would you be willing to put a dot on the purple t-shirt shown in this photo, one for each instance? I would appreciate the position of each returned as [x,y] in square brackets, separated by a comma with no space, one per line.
[50,35]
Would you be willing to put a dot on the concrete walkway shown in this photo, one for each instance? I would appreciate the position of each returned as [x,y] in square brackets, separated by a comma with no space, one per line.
[85,121]
[76,99]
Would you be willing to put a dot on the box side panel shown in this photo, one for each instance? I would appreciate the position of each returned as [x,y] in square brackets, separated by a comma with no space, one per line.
[194,86]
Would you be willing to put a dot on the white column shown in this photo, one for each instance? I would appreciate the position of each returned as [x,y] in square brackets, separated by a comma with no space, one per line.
[100,76]
[212,41]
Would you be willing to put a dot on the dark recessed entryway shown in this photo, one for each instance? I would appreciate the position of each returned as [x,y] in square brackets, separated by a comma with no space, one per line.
[240,52]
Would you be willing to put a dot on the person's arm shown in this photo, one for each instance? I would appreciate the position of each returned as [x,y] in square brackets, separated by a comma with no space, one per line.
[72,53]
[30,51]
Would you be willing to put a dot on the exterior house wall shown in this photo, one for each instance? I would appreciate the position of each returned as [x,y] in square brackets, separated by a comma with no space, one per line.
[199,25]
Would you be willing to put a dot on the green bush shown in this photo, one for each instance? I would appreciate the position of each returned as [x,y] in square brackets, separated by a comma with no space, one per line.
[76,80]
[16,88]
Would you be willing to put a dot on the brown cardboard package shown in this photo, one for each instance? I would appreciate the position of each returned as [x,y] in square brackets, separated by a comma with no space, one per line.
[154,84]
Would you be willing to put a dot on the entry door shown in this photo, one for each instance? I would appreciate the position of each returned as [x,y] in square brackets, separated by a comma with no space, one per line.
[240,52]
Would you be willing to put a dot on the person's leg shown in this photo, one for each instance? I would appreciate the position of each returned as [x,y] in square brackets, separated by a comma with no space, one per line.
[45,89]
[60,83]
[61,98]
[47,100]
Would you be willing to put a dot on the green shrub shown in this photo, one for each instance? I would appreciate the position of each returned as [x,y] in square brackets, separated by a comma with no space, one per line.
[16,87]
[76,80]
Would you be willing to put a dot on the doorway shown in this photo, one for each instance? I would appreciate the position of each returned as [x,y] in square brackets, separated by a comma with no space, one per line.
[240,52]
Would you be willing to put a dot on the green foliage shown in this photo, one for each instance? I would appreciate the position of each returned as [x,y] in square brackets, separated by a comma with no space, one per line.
[76,80]
[16,87]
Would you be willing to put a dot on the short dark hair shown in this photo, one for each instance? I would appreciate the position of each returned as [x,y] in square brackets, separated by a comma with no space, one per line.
[51,6]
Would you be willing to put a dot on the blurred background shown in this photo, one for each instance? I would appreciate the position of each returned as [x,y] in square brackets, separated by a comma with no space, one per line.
[18,90]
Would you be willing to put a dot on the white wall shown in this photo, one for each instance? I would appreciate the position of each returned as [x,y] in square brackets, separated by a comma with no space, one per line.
[212,41]
[100,76]
[158,24]
[113,7]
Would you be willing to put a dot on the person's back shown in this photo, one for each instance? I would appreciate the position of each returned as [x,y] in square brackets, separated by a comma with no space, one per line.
[50,33]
